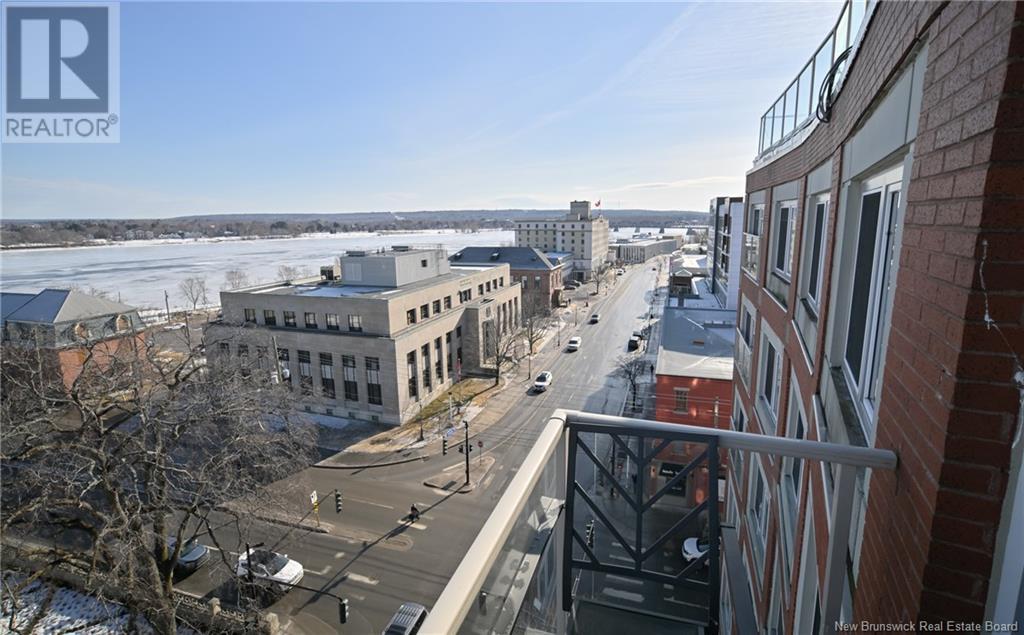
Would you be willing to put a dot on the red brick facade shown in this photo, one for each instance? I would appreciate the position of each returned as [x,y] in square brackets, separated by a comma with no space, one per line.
[948,404]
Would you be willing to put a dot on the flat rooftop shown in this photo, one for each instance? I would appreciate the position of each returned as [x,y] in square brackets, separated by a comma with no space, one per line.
[319,288]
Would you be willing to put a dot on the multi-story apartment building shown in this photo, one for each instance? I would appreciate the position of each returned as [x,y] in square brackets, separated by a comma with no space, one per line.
[580,233]
[881,306]
[725,235]
[375,336]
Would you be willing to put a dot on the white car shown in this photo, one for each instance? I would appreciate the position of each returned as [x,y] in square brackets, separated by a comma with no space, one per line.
[280,570]
[542,382]
[574,344]
[693,549]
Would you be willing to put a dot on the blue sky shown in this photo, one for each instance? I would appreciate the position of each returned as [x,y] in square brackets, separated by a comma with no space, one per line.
[320,107]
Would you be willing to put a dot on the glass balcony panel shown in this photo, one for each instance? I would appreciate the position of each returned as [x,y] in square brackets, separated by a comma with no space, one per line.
[791,108]
[857,12]
[822,64]
[804,93]
[842,32]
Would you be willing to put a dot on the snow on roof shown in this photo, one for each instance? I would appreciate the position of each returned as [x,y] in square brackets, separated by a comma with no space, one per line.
[53,306]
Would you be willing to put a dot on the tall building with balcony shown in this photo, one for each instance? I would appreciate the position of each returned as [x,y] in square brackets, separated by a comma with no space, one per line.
[580,233]
[875,452]
[880,307]
[376,336]
[725,241]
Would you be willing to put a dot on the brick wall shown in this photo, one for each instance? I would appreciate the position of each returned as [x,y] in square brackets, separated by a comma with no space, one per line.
[948,405]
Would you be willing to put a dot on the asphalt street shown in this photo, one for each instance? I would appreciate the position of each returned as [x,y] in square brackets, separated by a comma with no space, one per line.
[372,555]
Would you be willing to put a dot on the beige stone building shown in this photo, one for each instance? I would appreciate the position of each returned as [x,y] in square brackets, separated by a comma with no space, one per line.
[376,336]
[580,233]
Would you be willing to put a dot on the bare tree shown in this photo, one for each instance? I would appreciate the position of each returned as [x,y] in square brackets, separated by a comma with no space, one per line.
[109,476]
[631,368]
[194,291]
[504,347]
[537,317]
[235,279]
[288,272]
[601,272]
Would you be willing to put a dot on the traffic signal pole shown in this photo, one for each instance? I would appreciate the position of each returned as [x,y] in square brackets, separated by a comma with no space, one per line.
[466,427]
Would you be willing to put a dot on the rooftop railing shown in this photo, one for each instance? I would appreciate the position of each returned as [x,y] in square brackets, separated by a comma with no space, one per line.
[817,82]
[521,574]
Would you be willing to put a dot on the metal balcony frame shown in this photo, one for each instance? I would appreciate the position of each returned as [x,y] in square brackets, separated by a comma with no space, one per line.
[460,594]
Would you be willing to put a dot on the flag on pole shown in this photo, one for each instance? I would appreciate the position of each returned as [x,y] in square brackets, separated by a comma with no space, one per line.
[598,203]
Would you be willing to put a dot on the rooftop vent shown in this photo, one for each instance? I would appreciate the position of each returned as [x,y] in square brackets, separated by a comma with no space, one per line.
[355,252]
[698,342]
[494,256]
[401,248]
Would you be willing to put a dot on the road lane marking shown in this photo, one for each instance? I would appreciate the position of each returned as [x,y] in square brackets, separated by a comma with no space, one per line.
[359,500]
[320,572]
[355,577]
[411,525]
[339,555]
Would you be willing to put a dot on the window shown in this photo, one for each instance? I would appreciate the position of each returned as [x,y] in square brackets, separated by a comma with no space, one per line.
[771,380]
[448,348]
[682,396]
[479,289]
[424,311]
[327,375]
[437,307]
[425,356]
[438,361]
[814,239]
[410,365]
[373,393]
[458,331]
[739,424]
[501,281]
[289,318]
[243,350]
[348,370]
[332,322]
[488,286]
[250,316]
[790,481]
[355,324]
[423,263]
[870,293]
[757,511]
[310,320]
[224,348]
[785,224]
[269,317]
[261,357]
[410,316]
[305,374]
[282,355]
[447,302]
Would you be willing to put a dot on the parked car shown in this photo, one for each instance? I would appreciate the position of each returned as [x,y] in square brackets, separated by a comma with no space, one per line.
[407,620]
[269,566]
[543,381]
[595,318]
[574,344]
[634,343]
[193,555]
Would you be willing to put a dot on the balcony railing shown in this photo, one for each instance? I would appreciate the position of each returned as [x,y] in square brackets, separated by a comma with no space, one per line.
[795,108]
[537,566]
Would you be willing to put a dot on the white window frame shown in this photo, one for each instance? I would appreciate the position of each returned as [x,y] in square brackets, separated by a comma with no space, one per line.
[736,456]
[685,392]
[811,293]
[758,522]
[791,493]
[808,586]
[770,410]
[775,610]
[789,209]
[865,383]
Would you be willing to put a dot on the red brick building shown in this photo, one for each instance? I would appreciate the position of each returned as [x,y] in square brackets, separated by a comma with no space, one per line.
[881,305]
[541,276]
[693,385]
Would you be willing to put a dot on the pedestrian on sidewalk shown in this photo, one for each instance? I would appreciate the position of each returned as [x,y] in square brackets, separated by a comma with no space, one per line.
[414,514]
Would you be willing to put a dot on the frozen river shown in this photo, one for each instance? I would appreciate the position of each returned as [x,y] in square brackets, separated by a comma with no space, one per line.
[141,271]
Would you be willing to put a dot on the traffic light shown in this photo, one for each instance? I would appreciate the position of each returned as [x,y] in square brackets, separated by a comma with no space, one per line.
[337,501]
[343,610]
[444,446]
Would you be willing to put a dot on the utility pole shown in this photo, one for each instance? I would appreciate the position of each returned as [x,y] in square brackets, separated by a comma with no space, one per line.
[466,427]
[420,416]
[167,305]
